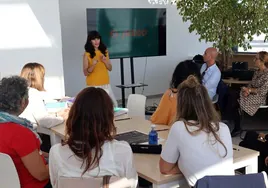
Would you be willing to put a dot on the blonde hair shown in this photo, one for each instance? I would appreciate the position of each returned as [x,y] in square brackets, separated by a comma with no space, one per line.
[193,103]
[34,73]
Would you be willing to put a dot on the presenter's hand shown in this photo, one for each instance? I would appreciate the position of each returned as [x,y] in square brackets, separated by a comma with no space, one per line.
[104,59]
[95,62]
[246,92]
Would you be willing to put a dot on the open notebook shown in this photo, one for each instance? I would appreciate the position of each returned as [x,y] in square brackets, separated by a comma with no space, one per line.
[120,111]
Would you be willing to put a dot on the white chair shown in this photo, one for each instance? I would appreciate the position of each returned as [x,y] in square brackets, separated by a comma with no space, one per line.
[105,182]
[136,105]
[9,176]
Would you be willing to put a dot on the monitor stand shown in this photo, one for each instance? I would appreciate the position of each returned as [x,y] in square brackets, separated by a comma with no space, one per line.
[124,86]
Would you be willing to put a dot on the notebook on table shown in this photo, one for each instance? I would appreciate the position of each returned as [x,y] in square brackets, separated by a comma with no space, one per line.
[137,142]
[132,137]
[120,111]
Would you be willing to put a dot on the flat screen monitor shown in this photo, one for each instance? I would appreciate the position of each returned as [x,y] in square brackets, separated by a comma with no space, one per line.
[130,32]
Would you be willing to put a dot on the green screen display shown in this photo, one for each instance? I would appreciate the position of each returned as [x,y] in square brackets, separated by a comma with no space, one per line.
[130,32]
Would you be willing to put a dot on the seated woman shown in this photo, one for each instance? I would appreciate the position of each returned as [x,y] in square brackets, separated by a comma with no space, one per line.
[36,111]
[197,144]
[166,110]
[90,150]
[16,137]
[255,94]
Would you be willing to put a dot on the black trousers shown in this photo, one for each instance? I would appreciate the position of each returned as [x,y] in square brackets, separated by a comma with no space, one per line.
[46,145]
[232,108]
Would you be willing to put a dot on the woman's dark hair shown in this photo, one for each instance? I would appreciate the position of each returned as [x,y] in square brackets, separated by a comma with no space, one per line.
[182,71]
[92,35]
[89,125]
[193,103]
[12,91]
[199,59]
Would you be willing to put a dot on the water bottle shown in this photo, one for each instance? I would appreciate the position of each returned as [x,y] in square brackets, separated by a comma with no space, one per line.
[153,136]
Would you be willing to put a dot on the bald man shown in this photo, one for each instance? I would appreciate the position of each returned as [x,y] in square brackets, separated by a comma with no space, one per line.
[211,74]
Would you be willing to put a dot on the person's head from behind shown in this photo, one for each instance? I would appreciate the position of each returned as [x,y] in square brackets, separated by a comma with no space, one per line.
[94,42]
[34,73]
[89,125]
[261,60]
[199,59]
[210,55]
[182,71]
[13,95]
[193,103]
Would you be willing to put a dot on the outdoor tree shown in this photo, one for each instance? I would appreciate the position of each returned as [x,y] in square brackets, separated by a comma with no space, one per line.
[226,23]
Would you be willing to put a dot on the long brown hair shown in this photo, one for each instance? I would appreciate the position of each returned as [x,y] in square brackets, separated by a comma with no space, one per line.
[89,125]
[34,73]
[194,104]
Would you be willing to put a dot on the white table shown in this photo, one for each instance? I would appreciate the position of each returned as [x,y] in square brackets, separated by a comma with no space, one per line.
[147,164]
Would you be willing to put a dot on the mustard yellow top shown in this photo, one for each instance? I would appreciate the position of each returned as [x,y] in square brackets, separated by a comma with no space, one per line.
[99,76]
[166,111]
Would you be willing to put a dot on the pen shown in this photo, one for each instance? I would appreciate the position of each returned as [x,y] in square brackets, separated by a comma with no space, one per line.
[236,149]
[161,130]
[122,119]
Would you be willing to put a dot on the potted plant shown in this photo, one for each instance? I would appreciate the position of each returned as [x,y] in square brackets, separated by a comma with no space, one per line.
[226,23]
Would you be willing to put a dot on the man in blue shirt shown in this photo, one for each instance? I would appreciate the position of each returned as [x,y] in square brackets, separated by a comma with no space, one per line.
[211,74]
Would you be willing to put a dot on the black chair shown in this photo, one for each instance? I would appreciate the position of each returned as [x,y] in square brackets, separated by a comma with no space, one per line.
[258,122]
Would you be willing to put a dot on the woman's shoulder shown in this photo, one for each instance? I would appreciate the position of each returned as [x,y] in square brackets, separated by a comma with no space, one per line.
[17,131]
[170,93]
[59,149]
[119,146]
[222,125]
[15,127]
[87,54]
[178,126]
[34,94]
[33,91]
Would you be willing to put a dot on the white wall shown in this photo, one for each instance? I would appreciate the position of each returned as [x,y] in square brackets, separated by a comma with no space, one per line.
[30,32]
[180,46]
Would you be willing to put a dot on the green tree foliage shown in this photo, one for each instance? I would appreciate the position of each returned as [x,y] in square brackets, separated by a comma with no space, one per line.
[226,23]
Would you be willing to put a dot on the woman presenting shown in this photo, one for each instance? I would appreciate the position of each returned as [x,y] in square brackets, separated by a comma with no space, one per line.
[96,64]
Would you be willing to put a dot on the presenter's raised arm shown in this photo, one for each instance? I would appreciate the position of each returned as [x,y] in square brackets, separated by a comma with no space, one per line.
[107,62]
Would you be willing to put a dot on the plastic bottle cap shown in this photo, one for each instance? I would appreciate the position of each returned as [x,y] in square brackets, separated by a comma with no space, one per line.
[153,126]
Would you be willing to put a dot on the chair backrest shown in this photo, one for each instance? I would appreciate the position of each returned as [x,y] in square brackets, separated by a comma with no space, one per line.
[114,182]
[9,176]
[136,105]
[238,181]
